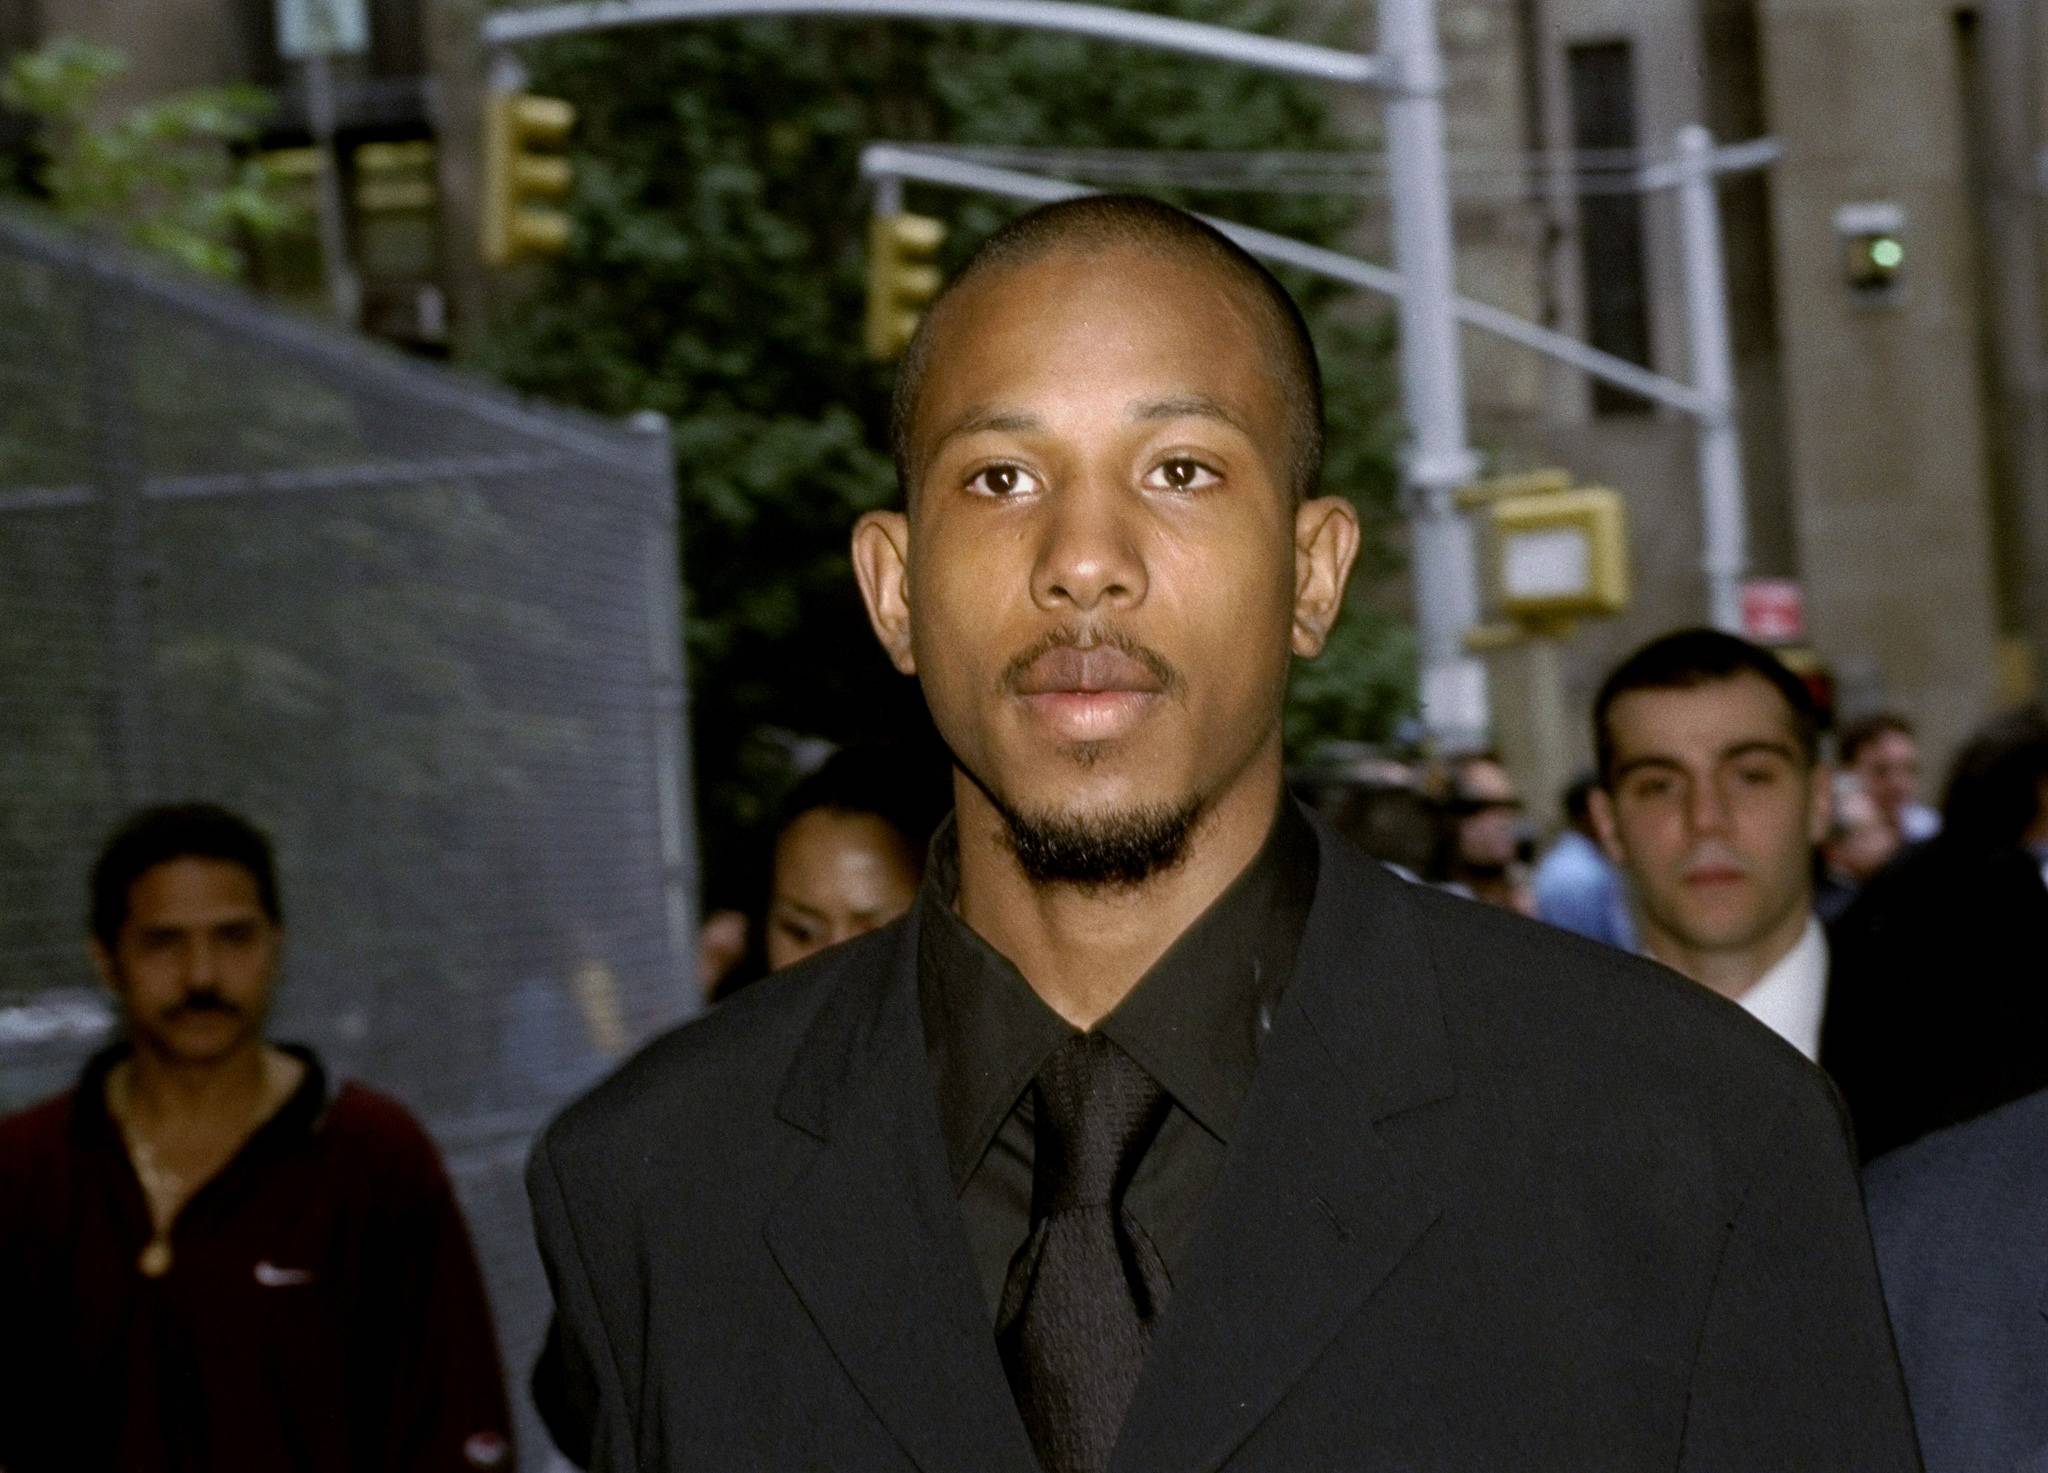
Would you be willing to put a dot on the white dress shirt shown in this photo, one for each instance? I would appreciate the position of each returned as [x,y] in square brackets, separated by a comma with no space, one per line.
[1792,995]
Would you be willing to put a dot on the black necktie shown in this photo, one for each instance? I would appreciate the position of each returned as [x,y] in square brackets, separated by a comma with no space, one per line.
[1085,1288]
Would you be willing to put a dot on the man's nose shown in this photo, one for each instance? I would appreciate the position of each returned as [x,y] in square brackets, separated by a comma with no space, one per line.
[202,963]
[1708,807]
[1088,553]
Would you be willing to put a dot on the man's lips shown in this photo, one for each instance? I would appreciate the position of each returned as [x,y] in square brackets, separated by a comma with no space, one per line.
[1100,671]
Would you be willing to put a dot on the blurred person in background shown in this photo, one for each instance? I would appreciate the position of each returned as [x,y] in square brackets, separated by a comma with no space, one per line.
[1711,799]
[1576,885]
[1480,854]
[1860,842]
[847,856]
[1945,953]
[1372,799]
[1398,826]
[1884,753]
[208,1258]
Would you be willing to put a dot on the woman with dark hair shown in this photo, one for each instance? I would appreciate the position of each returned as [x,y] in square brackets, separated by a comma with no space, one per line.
[847,856]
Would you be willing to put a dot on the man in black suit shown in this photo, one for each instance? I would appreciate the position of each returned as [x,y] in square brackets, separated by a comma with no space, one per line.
[1167,1131]
[1938,962]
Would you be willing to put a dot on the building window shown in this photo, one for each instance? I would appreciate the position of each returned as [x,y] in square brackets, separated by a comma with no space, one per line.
[1612,265]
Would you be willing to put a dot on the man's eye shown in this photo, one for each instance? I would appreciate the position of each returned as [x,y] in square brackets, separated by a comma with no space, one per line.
[1652,787]
[1181,474]
[1002,480]
[1757,777]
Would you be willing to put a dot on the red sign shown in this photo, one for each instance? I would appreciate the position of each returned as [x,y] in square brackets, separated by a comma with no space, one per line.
[1773,610]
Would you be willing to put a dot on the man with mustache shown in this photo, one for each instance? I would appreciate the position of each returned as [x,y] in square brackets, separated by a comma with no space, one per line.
[1712,800]
[209,1260]
[1167,1132]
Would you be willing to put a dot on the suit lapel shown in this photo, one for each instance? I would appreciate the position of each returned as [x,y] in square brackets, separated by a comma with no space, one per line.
[1314,1208]
[870,1236]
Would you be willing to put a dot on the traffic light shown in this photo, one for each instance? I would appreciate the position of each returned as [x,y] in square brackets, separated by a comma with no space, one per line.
[1875,261]
[395,178]
[901,278]
[518,126]
[1873,237]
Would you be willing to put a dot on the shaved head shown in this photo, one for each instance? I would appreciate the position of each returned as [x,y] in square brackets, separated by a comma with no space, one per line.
[1106,222]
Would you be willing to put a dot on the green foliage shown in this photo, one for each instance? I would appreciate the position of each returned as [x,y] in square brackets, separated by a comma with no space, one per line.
[165,175]
[717,272]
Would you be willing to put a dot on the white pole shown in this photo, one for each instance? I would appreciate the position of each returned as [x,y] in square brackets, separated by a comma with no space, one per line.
[344,291]
[1723,512]
[884,161]
[1439,460]
[1105,22]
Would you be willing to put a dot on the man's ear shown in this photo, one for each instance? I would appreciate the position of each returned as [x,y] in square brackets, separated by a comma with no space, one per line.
[1601,803]
[1325,546]
[881,563]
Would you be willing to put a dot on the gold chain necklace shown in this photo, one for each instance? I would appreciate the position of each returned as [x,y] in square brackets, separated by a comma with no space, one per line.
[165,1189]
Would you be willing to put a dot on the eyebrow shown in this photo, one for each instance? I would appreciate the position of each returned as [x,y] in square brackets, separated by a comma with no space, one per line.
[983,421]
[1726,754]
[1144,411]
[1188,406]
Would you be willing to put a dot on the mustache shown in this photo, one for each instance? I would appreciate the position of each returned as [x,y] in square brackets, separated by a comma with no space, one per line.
[200,1000]
[1074,637]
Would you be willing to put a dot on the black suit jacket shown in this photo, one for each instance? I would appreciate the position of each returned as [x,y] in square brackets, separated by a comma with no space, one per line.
[1499,1198]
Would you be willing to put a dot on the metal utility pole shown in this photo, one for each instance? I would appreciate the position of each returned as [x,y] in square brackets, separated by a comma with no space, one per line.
[1440,458]
[2010,79]
[344,291]
[313,33]
[1723,509]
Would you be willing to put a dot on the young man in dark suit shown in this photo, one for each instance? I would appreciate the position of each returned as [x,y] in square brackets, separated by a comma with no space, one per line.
[1168,1132]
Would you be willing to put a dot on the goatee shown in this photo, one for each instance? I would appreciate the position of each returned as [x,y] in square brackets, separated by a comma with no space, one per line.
[1100,851]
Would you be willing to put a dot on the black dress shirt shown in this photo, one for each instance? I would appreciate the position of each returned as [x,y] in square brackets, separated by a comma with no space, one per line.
[1194,1021]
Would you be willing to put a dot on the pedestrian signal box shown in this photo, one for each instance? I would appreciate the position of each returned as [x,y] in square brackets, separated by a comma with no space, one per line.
[1560,555]
[902,278]
[523,176]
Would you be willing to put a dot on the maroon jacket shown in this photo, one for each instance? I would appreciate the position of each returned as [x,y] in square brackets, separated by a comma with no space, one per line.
[322,1312]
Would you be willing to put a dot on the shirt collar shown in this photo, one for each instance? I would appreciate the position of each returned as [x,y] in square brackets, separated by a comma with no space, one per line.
[301,1111]
[1194,1020]
[1792,995]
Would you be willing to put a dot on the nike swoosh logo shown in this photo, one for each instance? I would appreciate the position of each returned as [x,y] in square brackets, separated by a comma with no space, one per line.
[270,1276]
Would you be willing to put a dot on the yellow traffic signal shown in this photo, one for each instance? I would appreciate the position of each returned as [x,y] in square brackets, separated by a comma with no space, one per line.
[395,178]
[901,278]
[515,176]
